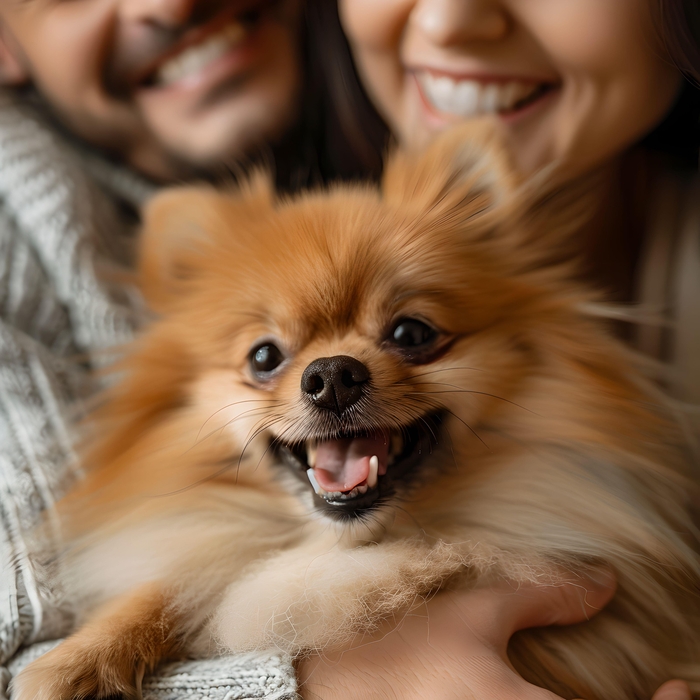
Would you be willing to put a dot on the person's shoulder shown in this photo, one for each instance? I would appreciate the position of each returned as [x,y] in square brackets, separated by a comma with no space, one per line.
[64,220]
[669,278]
[36,160]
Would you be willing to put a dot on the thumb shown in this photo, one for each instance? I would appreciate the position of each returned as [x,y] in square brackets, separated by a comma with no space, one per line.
[673,690]
[574,600]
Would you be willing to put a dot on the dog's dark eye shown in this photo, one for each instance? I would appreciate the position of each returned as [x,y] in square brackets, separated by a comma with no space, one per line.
[265,358]
[410,333]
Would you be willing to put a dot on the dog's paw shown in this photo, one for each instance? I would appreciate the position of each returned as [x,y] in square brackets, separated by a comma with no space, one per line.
[78,671]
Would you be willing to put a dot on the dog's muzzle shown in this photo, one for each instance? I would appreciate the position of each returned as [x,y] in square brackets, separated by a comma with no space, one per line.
[354,472]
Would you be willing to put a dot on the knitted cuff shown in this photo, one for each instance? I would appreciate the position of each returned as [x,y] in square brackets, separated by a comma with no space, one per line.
[259,676]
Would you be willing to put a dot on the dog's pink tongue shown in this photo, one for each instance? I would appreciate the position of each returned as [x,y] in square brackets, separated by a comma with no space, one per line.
[343,464]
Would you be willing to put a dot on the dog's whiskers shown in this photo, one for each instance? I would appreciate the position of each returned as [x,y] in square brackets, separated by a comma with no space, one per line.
[461,390]
[233,420]
[461,420]
[471,430]
[445,369]
[263,425]
[228,464]
[230,405]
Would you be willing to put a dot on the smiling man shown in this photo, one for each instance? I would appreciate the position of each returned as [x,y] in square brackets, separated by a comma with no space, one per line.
[169,86]
[100,101]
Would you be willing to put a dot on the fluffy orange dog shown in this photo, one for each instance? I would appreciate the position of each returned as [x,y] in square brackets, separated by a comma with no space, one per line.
[353,398]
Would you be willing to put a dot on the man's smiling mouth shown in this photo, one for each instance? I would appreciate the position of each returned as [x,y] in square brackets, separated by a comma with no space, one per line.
[190,61]
[205,45]
[353,473]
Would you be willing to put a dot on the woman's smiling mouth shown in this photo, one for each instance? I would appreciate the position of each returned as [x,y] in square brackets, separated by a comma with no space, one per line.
[466,98]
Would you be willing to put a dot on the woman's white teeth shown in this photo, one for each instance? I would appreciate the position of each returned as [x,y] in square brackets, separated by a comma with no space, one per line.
[373,471]
[194,58]
[470,98]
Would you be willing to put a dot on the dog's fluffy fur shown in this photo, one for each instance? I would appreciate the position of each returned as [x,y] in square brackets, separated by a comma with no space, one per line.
[552,454]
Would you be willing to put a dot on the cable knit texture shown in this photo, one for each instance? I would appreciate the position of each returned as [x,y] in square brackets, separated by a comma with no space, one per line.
[63,234]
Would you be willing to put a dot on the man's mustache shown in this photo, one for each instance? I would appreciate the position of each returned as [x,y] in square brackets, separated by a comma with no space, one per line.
[130,65]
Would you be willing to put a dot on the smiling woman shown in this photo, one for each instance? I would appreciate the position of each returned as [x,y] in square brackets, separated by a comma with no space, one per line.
[574,82]
[174,87]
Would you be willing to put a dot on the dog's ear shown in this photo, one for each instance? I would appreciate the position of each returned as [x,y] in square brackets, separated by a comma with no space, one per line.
[177,224]
[463,172]
[181,223]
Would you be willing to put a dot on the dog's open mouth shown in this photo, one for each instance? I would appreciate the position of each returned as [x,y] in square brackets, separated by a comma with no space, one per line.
[354,472]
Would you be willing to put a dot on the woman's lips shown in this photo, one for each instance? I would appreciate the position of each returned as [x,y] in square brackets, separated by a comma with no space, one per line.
[466,98]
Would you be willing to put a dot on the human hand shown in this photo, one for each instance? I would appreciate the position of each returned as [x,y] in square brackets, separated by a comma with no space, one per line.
[454,647]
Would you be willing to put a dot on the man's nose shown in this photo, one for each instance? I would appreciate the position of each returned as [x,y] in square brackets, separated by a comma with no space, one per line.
[164,13]
[446,22]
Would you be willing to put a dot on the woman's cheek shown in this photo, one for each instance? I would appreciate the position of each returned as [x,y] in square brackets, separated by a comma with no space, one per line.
[375,25]
[375,29]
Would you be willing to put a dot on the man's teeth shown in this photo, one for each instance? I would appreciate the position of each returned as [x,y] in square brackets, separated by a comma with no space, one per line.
[470,98]
[193,59]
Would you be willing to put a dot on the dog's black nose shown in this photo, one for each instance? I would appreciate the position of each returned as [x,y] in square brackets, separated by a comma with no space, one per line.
[335,383]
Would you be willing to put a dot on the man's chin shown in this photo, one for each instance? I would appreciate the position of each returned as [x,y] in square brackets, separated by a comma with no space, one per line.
[213,141]
[190,161]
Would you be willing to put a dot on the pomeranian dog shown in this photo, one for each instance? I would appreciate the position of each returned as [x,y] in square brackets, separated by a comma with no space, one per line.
[352,398]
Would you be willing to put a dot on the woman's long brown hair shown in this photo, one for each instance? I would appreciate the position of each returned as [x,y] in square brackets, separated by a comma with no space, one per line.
[680,27]
[678,136]
[355,138]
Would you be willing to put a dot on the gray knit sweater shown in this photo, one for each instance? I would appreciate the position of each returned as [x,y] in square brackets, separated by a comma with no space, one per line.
[63,234]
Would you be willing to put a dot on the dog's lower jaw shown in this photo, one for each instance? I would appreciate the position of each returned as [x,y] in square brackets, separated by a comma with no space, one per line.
[359,532]
[346,533]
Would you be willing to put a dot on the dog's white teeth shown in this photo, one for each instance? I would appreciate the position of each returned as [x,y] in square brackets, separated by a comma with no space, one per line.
[311,450]
[363,488]
[314,483]
[373,471]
